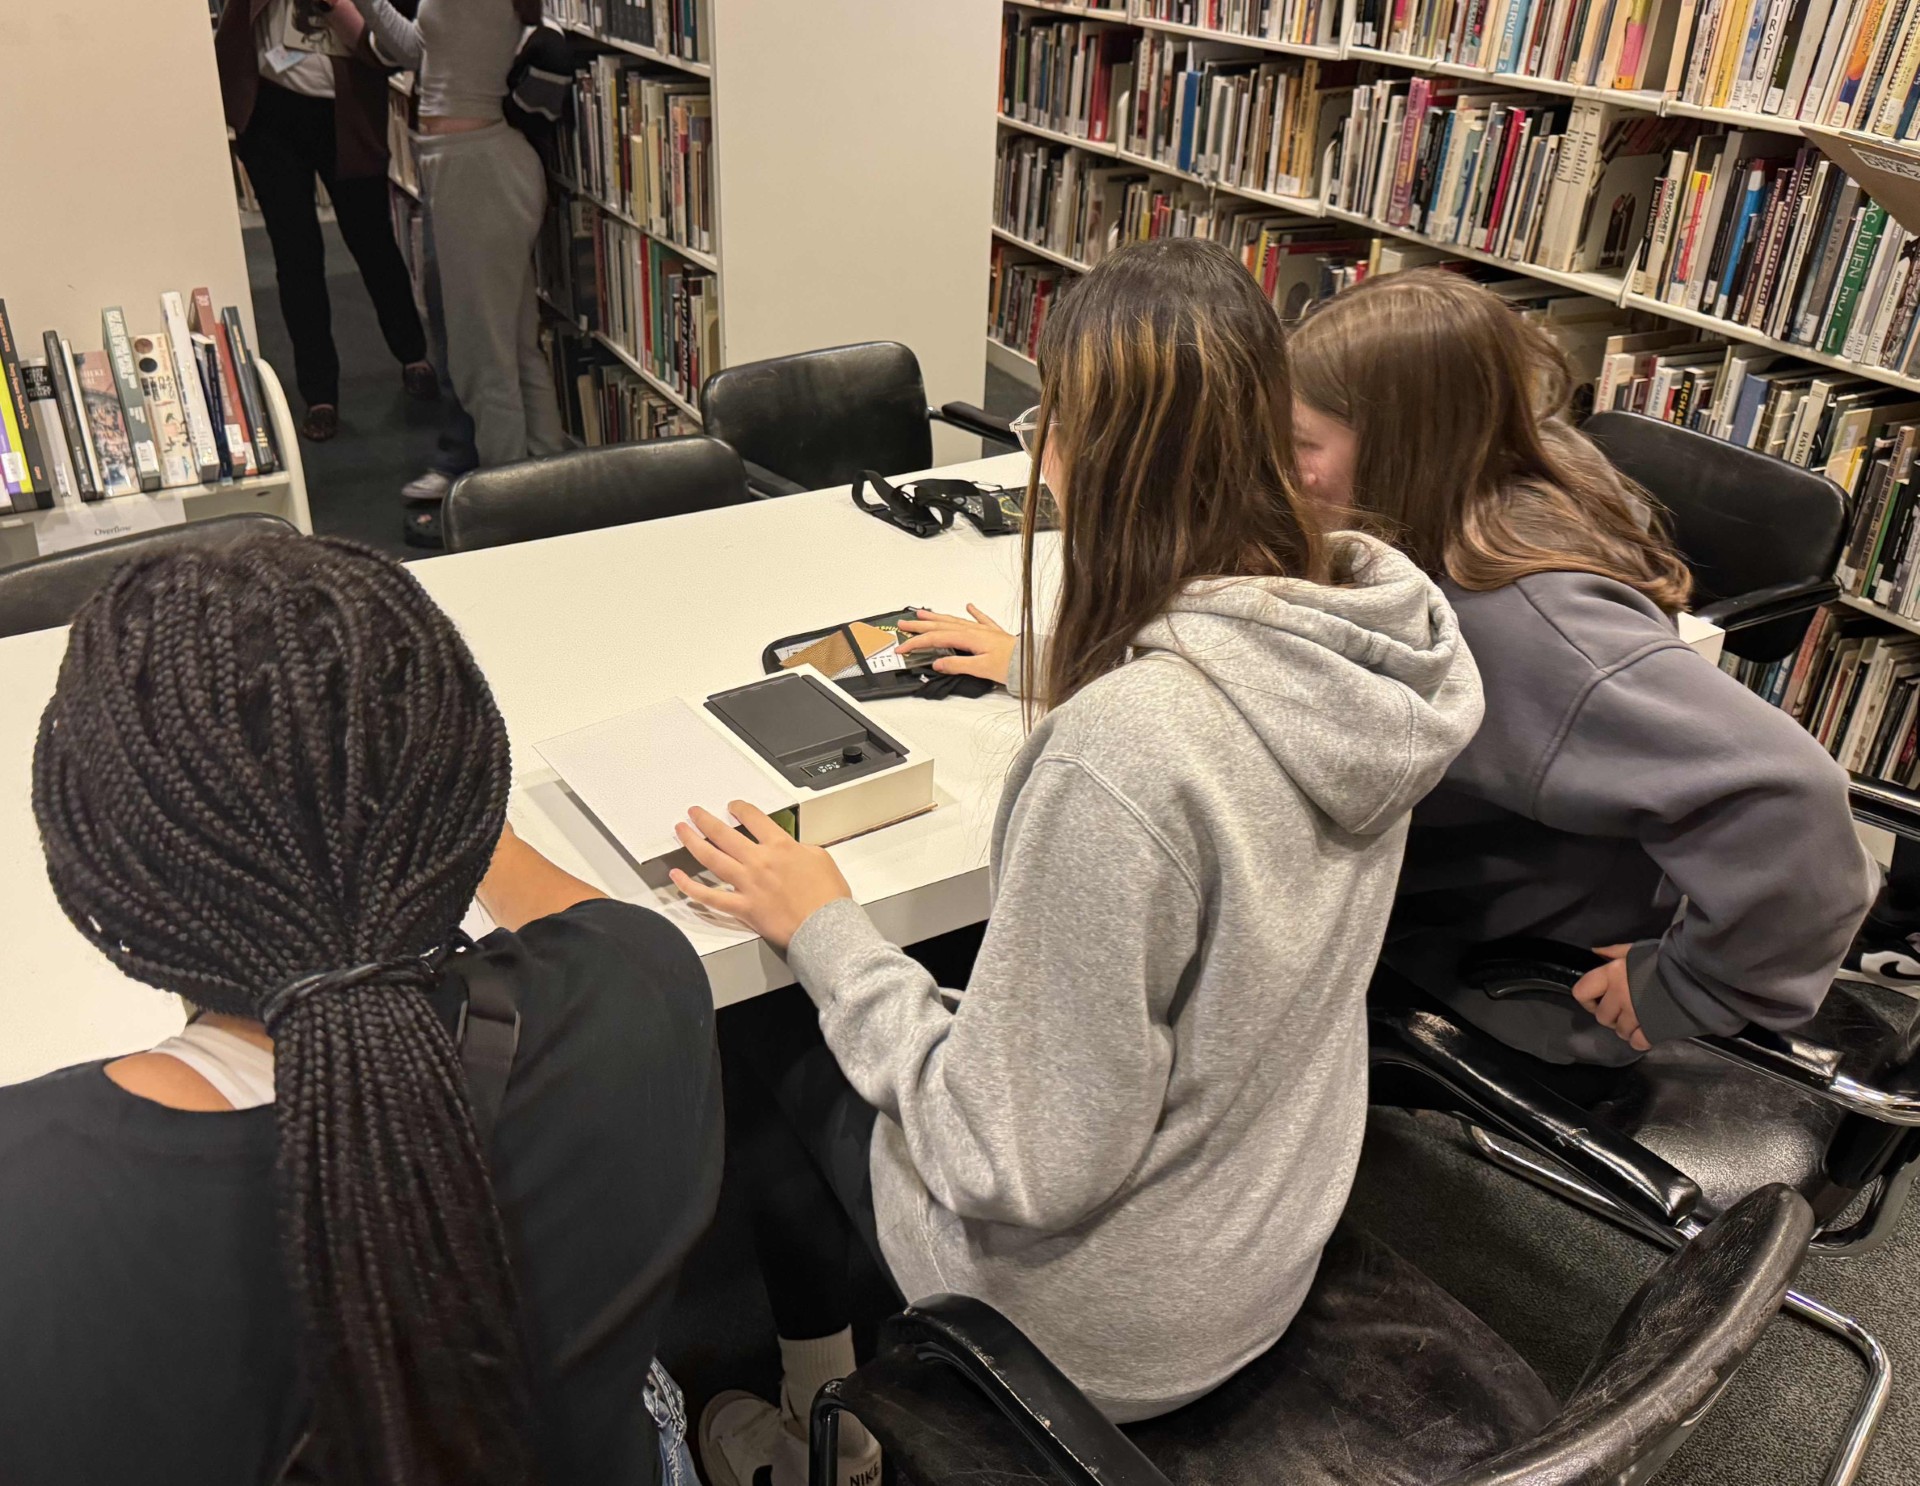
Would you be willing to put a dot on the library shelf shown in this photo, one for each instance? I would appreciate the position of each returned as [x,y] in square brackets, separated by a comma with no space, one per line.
[1330,51]
[633,364]
[1600,286]
[1034,248]
[634,48]
[1041,131]
[1303,205]
[1868,606]
[1754,337]
[707,261]
[1769,123]
[252,485]
[1016,364]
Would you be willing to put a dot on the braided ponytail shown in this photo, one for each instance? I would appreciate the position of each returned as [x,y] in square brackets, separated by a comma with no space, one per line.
[270,779]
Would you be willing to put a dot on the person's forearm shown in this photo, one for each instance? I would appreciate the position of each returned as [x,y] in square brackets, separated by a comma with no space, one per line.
[396,40]
[522,886]
[347,24]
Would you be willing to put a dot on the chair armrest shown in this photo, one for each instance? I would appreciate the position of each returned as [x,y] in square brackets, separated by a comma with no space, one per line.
[977,421]
[1764,605]
[763,483]
[1887,806]
[1490,1082]
[1055,1419]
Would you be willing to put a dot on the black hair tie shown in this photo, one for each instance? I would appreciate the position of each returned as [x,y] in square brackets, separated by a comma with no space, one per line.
[420,972]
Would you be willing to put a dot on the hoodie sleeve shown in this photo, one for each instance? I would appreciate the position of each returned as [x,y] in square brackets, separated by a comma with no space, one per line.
[1034,1101]
[1748,817]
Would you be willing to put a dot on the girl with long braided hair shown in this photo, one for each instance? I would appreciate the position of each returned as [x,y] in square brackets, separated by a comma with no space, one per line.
[271,780]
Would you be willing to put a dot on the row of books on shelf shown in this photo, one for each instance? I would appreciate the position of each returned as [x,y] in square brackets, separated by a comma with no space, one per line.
[1782,242]
[672,27]
[1855,686]
[1845,64]
[1202,110]
[176,406]
[643,142]
[1296,22]
[601,400]
[1848,64]
[634,290]
[1538,181]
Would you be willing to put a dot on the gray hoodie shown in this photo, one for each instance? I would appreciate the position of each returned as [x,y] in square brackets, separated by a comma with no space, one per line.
[1138,1127]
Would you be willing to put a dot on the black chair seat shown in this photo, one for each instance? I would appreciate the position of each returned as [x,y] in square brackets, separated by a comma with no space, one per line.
[1732,1130]
[1383,1379]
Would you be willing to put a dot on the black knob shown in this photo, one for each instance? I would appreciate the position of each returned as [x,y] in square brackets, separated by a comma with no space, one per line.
[852,753]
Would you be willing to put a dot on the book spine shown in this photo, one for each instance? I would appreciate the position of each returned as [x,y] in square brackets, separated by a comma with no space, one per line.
[107,424]
[1867,241]
[38,381]
[232,424]
[193,397]
[164,411]
[252,398]
[1794,40]
[24,464]
[207,367]
[133,407]
[66,397]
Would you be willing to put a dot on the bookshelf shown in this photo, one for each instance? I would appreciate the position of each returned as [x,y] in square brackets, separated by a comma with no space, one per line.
[1138,18]
[708,210]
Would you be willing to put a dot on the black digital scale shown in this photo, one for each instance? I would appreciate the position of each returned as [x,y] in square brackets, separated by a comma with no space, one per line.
[807,733]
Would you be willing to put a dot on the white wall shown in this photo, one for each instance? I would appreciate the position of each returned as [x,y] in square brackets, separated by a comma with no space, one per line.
[855,144]
[114,183]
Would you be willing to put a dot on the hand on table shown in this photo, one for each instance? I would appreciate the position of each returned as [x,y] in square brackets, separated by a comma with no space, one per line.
[1604,992]
[987,649]
[774,884]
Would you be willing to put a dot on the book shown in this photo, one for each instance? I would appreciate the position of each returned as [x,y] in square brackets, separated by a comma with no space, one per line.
[37,377]
[236,438]
[153,361]
[193,397]
[253,397]
[133,407]
[106,425]
[207,368]
[1846,300]
[73,416]
[23,466]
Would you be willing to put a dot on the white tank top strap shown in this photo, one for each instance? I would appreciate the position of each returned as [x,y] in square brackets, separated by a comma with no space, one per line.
[239,1070]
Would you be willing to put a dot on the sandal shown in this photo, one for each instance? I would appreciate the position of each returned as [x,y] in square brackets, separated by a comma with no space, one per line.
[321,423]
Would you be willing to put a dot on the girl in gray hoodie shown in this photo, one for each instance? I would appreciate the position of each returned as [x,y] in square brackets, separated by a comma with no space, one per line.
[1135,1127]
[1623,794]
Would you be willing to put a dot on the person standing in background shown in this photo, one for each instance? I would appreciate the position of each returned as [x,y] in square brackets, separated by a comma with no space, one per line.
[297,115]
[485,193]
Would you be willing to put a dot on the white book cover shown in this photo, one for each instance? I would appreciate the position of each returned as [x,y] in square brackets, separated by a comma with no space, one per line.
[1872,291]
[153,361]
[1751,90]
[186,378]
[1785,100]
[37,381]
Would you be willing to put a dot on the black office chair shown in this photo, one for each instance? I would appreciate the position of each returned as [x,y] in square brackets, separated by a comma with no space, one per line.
[1760,535]
[586,489]
[46,592]
[818,419]
[1831,1109]
[1382,1379]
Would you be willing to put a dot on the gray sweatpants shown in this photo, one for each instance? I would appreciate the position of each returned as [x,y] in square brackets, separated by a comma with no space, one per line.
[485,193]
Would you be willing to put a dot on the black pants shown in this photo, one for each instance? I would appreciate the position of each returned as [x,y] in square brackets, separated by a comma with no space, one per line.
[288,142]
[798,1135]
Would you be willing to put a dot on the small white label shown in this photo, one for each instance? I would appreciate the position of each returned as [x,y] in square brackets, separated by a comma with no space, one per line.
[144,456]
[72,526]
[14,467]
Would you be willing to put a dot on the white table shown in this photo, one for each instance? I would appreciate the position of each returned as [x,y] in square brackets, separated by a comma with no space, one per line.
[571,631]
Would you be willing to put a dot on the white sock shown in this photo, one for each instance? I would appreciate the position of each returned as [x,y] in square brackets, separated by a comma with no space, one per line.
[808,1366]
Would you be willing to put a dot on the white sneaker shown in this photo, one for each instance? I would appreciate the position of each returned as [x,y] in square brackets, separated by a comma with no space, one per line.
[746,1441]
[426,489]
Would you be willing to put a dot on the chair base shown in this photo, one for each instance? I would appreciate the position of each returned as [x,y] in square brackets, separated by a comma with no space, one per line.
[1850,1455]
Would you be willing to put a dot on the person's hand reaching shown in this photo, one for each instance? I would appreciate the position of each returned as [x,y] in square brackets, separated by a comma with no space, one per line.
[773,883]
[986,649]
[1604,991]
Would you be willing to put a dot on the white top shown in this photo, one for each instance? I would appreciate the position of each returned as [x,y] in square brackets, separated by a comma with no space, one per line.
[241,1071]
[573,631]
[309,74]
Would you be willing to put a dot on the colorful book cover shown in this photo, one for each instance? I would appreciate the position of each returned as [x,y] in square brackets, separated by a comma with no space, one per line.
[106,425]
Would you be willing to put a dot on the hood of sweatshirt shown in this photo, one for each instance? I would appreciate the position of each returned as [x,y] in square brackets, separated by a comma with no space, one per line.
[1363,692]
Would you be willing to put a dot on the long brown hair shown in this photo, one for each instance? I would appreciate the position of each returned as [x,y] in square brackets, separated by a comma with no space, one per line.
[1166,411]
[1465,458]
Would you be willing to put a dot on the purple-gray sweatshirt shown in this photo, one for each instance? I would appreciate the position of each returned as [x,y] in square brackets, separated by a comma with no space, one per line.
[1624,790]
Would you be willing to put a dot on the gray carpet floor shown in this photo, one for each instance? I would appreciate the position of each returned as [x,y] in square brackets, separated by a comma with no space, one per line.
[1547,1277]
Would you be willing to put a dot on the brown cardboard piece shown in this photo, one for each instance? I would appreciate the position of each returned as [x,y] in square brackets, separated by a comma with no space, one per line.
[1890,172]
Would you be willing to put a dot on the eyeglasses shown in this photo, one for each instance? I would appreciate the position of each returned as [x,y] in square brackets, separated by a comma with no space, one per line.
[1026,428]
